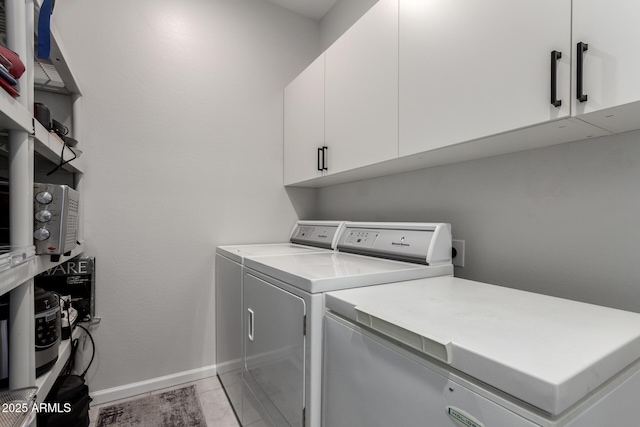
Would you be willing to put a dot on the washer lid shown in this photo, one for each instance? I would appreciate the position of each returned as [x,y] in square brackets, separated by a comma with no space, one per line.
[306,236]
[238,252]
[327,271]
[546,351]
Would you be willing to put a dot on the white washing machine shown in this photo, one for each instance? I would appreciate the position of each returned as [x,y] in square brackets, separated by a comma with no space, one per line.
[306,237]
[283,304]
[447,352]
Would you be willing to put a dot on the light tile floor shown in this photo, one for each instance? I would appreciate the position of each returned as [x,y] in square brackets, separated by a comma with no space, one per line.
[215,405]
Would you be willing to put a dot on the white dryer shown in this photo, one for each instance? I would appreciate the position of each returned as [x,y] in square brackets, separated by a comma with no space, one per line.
[283,305]
[448,352]
[306,237]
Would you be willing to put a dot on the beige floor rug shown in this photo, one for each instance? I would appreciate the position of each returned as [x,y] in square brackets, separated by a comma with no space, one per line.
[175,408]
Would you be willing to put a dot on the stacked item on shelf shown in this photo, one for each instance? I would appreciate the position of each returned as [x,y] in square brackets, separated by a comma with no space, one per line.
[11,68]
[9,256]
[75,278]
[4,341]
[4,211]
[18,402]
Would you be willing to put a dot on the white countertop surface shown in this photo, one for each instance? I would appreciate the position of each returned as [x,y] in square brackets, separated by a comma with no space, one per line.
[549,352]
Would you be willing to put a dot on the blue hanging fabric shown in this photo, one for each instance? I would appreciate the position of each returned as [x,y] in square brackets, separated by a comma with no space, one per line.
[44,29]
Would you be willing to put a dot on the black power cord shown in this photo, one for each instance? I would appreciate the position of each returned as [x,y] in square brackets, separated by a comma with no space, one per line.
[62,161]
[61,130]
[69,366]
[93,352]
[68,369]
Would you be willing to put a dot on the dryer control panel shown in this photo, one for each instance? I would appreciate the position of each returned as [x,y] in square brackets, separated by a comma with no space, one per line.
[424,243]
[320,234]
[362,238]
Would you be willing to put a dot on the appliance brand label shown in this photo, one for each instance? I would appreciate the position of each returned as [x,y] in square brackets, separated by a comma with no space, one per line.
[462,418]
[70,267]
[401,243]
[323,236]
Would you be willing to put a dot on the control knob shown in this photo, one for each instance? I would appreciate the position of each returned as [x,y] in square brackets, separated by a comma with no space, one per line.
[41,234]
[44,197]
[43,216]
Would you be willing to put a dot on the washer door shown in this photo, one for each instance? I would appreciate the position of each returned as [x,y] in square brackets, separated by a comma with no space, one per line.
[274,348]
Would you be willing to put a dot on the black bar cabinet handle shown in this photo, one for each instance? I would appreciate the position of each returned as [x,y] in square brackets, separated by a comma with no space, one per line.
[320,156]
[555,56]
[581,48]
[325,150]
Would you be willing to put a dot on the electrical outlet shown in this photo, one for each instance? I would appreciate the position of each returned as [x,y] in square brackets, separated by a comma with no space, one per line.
[458,246]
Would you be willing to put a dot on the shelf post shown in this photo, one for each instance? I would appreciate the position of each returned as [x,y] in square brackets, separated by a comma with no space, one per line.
[21,157]
[29,56]
[76,100]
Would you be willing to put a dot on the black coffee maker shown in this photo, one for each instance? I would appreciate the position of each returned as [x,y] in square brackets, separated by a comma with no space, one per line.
[48,329]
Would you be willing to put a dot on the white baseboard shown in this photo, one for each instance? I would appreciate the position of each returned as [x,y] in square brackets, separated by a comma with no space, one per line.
[122,392]
[228,365]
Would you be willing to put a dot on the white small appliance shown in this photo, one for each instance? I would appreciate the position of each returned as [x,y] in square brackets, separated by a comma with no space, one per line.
[283,306]
[305,237]
[456,352]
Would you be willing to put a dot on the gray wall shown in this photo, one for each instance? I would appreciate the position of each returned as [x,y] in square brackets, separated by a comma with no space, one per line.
[340,17]
[182,114]
[561,220]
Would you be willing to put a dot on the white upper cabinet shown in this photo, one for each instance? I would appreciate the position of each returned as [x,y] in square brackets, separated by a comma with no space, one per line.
[304,124]
[610,64]
[471,69]
[361,91]
[418,83]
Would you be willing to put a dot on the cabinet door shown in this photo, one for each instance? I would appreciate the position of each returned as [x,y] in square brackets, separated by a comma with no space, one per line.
[304,123]
[362,91]
[470,69]
[274,348]
[611,64]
